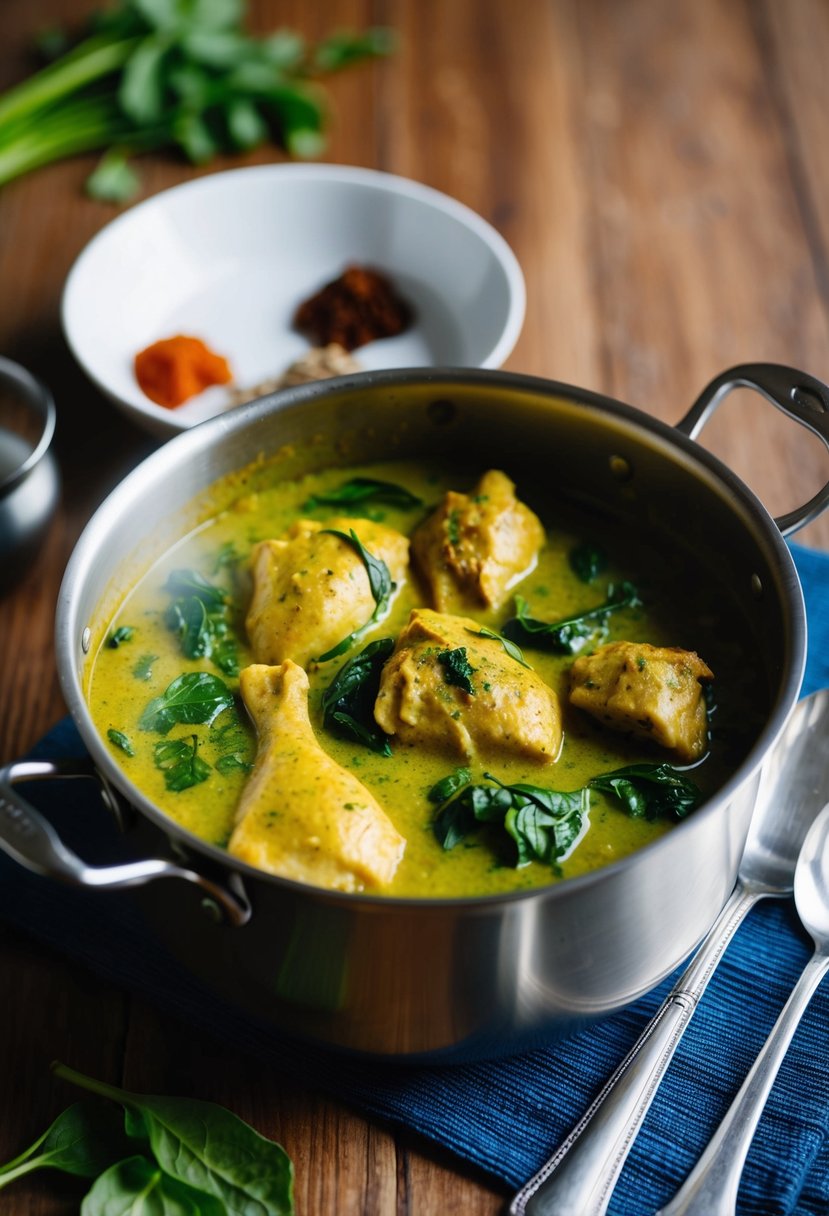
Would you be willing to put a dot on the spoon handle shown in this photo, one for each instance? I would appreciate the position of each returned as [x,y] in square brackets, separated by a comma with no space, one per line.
[579,1178]
[711,1187]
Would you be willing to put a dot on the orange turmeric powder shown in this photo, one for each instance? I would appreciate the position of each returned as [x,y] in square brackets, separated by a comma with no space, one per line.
[173,370]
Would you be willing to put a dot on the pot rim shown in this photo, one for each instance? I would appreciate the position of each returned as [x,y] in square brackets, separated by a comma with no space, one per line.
[215,430]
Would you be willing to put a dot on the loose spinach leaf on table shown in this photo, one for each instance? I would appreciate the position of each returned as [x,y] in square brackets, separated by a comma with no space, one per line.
[197,697]
[205,1147]
[650,791]
[138,1187]
[572,633]
[362,490]
[348,702]
[180,762]
[457,669]
[83,1140]
[380,584]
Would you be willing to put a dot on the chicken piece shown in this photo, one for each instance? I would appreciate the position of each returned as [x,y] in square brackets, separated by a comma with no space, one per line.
[651,692]
[302,815]
[509,712]
[475,546]
[311,590]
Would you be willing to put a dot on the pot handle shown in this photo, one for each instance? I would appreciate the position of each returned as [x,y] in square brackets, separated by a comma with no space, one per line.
[31,840]
[795,393]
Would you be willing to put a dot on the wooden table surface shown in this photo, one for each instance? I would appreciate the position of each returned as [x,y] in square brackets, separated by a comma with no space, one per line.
[661,169]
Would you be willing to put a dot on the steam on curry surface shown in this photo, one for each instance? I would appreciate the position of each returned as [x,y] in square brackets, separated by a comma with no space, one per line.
[398,679]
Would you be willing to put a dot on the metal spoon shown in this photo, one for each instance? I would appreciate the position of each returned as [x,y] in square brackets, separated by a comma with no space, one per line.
[712,1185]
[579,1178]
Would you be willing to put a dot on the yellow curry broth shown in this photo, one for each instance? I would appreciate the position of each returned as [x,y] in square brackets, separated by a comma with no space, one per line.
[675,612]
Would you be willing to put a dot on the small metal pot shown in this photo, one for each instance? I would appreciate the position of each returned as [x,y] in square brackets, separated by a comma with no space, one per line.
[29,482]
[462,977]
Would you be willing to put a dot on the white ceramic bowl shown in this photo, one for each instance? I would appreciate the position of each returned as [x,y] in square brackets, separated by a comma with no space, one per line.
[228,258]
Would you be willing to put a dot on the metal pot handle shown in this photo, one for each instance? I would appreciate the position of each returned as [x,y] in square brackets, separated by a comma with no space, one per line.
[29,839]
[795,393]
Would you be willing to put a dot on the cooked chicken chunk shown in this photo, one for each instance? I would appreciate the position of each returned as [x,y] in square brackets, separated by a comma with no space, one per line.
[423,698]
[475,546]
[301,815]
[311,590]
[652,692]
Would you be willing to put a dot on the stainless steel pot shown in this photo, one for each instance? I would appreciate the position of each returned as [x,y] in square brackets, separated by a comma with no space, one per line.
[443,978]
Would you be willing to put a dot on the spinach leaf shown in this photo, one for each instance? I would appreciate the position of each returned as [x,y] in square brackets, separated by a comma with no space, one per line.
[124,633]
[188,583]
[205,1147]
[226,555]
[348,702]
[362,490]
[457,669]
[447,786]
[180,763]
[195,697]
[143,668]
[543,824]
[650,791]
[380,585]
[83,1140]
[587,561]
[571,634]
[510,647]
[118,739]
[200,617]
[137,1187]
[232,762]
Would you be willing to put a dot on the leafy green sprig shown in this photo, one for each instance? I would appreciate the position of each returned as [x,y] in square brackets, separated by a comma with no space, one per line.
[572,633]
[200,615]
[361,490]
[380,584]
[151,74]
[545,825]
[348,701]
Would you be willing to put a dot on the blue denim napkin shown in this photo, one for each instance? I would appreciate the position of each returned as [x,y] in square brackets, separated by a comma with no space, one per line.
[507,1115]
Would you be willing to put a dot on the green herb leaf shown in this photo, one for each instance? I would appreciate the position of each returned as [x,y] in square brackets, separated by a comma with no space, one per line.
[124,633]
[650,791]
[138,1187]
[196,697]
[206,1147]
[510,647]
[457,669]
[233,762]
[180,763]
[118,739]
[141,92]
[587,561]
[348,702]
[362,490]
[83,1140]
[543,825]
[113,181]
[573,633]
[380,585]
[143,668]
[447,786]
[343,49]
[185,583]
